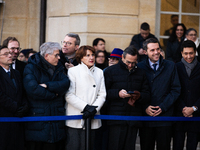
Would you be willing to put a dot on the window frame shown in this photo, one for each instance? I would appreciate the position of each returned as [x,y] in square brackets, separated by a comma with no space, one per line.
[179,13]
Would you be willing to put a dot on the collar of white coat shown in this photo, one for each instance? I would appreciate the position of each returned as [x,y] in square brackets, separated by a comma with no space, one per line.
[91,69]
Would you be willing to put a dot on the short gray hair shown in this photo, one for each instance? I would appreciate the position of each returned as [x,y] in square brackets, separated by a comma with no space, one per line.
[49,48]
[76,36]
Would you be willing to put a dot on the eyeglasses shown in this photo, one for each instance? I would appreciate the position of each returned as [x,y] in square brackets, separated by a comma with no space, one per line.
[192,34]
[6,54]
[113,59]
[67,43]
[15,48]
[128,62]
[101,56]
[56,55]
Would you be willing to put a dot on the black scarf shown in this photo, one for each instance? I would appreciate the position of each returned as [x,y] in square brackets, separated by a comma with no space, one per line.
[47,66]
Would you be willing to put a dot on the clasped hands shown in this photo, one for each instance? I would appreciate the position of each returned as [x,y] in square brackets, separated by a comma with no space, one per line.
[133,97]
[187,112]
[153,110]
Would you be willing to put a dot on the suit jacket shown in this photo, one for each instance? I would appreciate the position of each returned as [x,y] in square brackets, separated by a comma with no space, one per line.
[165,88]
[20,65]
[11,97]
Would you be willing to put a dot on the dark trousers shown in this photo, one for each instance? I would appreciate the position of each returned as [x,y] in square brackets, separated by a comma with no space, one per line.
[179,139]
[31,145]
[101,138]
[76,139]
[122,137]
[160,135]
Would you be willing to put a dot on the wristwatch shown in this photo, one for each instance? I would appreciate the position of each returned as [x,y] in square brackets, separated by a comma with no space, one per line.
[195,108]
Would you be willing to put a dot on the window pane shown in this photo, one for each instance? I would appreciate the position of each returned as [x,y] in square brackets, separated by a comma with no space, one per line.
[167,22]
[191,6]
[170,5]
[191,22]
[163,43]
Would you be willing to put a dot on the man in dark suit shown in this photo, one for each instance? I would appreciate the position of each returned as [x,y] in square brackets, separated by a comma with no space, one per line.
[165,89]
[189,100]
[12,103]
[14,46]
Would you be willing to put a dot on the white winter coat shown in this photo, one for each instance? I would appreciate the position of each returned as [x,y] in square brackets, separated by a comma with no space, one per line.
[86,87]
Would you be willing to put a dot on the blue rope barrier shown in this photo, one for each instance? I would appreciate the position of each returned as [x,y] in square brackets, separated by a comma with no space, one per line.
[104,117]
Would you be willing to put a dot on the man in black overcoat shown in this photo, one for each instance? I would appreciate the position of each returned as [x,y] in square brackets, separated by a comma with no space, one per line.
[12,103]
[188,103]
[127,91]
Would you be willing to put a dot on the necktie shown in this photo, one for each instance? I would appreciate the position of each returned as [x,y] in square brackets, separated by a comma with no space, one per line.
[154,67]
[8,73]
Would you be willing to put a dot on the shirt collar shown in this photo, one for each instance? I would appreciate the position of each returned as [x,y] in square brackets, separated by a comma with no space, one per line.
[6,70]
[151,64]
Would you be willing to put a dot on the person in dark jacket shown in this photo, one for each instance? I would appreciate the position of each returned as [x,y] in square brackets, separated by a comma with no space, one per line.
[138,39]
[127,90]
[14,46]
[12,103]
[70,45]
[189,100]
[46,84]
[175,40]
[165,89]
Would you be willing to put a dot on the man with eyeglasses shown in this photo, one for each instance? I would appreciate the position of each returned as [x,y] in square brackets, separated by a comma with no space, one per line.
[127,91]
[165,89]
[14,46]
[46,83]
[12,103]
[70,44]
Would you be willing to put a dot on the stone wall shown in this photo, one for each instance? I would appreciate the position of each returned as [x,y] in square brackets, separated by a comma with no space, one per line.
[21,20]
[116,21]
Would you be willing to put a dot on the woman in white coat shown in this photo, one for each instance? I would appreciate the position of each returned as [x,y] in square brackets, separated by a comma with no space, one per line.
[85,97]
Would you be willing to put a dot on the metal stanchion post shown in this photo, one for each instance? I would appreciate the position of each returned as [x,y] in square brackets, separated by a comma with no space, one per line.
[88,133]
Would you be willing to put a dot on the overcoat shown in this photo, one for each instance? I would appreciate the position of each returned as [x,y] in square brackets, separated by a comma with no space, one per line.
[45,101]
[86,87]
[11,97]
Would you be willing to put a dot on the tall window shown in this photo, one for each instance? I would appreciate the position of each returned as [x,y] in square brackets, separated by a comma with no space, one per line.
[171,11]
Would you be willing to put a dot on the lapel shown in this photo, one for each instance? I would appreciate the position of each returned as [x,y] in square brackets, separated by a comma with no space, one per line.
[7,78]
[183,70]
[195,71]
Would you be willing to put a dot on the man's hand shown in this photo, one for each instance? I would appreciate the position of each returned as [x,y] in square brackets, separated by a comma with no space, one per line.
[153,110]
[158,111]
[68,65]
[136,95]
[187,111]
[123,94]
[43,85]
[142,52]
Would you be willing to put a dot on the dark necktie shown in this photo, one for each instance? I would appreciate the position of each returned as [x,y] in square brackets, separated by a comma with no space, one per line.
[154,67]
[8,73]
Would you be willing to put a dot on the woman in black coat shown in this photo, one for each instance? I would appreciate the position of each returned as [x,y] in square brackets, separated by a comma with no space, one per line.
[173,52]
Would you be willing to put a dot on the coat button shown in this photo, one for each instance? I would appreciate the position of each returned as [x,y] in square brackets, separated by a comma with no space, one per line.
[94,85]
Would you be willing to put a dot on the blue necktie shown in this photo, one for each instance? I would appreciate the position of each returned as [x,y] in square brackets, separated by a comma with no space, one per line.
[8,73]
[154,67]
